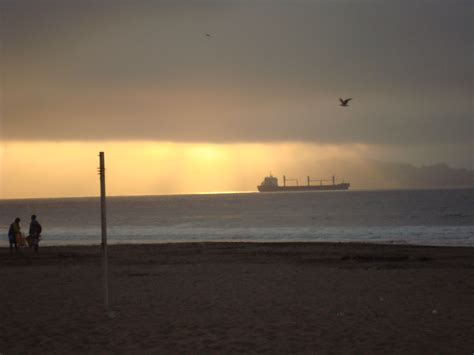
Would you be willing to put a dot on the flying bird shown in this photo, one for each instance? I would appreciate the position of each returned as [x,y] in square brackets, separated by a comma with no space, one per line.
[208,35]
[344,103]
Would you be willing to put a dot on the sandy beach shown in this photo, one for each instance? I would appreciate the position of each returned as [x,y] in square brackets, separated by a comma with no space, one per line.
[239,298]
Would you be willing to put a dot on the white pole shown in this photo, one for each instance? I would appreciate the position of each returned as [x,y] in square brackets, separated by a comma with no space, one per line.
[103,215]
[103,207]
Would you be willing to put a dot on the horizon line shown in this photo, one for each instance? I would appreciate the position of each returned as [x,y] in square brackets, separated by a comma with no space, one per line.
[238,193]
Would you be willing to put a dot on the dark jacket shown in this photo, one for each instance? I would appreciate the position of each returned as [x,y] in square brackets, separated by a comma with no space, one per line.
[13,231]
[35,228]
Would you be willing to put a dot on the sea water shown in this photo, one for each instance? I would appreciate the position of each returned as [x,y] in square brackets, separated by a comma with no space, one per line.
[424,217]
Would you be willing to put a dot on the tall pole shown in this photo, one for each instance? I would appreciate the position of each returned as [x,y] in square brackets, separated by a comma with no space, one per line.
[103,207]
[103,217]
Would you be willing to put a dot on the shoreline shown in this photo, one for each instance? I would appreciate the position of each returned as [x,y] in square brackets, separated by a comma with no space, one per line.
[87,243]
[342,244]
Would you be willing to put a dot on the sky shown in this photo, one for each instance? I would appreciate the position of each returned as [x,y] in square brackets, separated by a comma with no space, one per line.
[260,91]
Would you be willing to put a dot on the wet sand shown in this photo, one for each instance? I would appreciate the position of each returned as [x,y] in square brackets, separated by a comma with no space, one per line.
[214,298]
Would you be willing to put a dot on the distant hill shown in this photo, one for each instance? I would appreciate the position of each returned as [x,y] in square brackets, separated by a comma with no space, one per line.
[373,174]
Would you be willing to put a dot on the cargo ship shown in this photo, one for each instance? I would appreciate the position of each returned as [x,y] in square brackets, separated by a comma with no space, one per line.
[270,184]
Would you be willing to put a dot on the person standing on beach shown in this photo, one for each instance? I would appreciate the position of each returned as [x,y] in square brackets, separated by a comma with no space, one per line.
[13,232]
[35,232]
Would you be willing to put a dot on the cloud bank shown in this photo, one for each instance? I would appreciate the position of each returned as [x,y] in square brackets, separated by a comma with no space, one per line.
[269,72]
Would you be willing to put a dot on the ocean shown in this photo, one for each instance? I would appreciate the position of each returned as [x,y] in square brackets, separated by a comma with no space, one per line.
[422,217]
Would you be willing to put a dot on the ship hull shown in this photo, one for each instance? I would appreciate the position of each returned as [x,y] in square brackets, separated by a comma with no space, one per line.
[343,186]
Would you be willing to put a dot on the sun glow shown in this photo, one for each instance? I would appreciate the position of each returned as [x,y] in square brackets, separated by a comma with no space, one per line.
[60,169]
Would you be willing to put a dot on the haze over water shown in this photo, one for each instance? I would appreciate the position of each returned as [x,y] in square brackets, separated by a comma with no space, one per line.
[426,217]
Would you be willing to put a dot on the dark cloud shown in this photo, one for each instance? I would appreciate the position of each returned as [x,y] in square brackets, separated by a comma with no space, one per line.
[271,71]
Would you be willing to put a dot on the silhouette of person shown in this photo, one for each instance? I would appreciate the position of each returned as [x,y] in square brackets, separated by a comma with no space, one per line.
[13,232]
[35,232]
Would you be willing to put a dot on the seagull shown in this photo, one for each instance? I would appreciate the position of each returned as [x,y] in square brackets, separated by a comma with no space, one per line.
[344,103]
